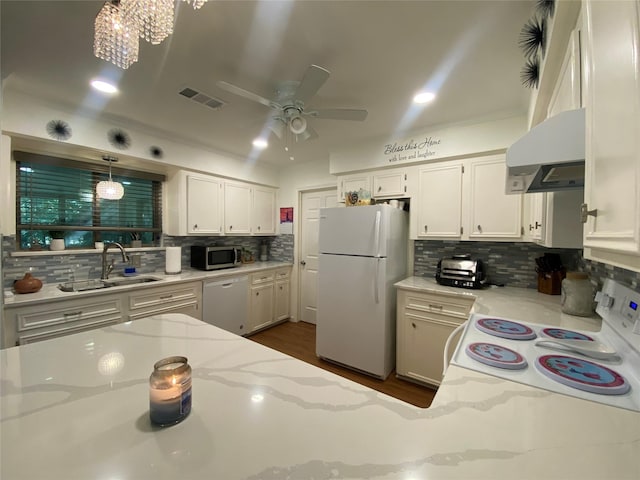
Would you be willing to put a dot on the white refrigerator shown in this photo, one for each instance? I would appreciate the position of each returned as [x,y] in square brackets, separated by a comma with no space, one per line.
[363,252]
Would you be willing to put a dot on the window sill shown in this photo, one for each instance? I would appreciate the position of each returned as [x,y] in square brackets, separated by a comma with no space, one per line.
[83,251]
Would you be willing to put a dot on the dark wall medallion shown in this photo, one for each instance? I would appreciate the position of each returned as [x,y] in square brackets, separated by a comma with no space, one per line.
[533,37]
[119,139]
[156,152]
[59,130]
[530,73]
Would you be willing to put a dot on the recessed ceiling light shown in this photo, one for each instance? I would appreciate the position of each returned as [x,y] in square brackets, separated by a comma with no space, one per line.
[104,87]
[424,97]
[260,143]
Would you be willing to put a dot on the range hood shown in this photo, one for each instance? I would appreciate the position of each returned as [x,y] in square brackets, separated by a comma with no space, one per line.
[550,157]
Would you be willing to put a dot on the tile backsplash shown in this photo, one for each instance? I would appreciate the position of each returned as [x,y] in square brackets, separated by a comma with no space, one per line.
[513,264]
[56,268]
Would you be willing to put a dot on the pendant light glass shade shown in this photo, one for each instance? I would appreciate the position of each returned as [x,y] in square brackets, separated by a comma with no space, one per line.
[116,36]
[108,189]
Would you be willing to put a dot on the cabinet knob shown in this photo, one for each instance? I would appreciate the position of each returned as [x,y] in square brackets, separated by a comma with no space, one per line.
[258,227]
[230,227]
[425,228]
[195,227]
[480,228]
[413,324]
[280,287]
[585,212]
[538,225]
[530,227]
[257,294]
[303,263]
[380,188]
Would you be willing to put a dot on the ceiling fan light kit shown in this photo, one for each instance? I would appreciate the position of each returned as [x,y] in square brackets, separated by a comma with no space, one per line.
[297,124]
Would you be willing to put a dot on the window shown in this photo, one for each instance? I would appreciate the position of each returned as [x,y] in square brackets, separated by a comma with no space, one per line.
[57,197]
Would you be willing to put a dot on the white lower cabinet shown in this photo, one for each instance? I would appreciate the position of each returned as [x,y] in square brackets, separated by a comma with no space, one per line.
[33,323]
[424,322]
[181,298]
[261,293]
[269,298]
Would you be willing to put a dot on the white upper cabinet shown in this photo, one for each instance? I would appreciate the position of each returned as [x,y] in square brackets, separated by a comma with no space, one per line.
[237,208]
[439,206]
[612,173]
[390,184]
[263,218]
[465,200]
[353,183]
[249,209]
[194,204]
[552,219]
[492,213]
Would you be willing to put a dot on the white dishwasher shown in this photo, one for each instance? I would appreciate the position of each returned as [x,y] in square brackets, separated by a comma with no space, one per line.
[224,303]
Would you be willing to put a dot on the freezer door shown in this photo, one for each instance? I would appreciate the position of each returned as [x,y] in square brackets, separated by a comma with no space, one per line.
[354,325]
[354,230]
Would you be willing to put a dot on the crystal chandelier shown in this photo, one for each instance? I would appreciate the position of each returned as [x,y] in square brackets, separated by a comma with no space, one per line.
[108,189]
[116,36]
[120,22]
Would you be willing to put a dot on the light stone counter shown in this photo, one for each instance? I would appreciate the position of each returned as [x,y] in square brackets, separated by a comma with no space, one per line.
[525,304]
[77,408]
[51,292]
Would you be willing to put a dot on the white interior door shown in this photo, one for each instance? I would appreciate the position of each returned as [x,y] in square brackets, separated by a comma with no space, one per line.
[311,203]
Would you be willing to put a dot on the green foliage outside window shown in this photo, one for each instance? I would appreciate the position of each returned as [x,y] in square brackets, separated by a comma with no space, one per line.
[59,201]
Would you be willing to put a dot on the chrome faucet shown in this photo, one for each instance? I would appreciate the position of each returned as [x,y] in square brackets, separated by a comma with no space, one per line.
[106,267]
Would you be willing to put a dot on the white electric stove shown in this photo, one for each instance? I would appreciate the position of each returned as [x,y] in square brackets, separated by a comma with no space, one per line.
[525,353]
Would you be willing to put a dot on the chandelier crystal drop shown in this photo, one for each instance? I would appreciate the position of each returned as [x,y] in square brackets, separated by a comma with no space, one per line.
[154,18]
[116,36]
[196,4]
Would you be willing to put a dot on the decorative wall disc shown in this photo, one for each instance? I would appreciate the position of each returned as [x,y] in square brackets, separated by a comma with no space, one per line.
[59,130]
[533,37]
[546,8]
[530,73]
[156,152]
[119,139]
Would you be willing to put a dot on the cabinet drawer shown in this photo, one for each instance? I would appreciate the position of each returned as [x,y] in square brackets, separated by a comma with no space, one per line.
[262,277]
[160,296]
[425,303]
[93,313]
[283,273]
[67,329]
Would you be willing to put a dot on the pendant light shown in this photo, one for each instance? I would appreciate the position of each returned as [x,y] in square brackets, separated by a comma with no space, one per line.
[109,190]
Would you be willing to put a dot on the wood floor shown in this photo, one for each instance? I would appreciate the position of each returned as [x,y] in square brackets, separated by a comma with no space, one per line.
[298,339]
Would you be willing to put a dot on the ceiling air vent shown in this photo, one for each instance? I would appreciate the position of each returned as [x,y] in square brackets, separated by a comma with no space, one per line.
[201,98]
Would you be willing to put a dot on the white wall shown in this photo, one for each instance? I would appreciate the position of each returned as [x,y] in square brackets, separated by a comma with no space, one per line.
[26,117]
[294,179]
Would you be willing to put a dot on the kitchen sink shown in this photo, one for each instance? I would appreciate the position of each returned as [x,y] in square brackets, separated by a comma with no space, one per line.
[116,282]
[96,284]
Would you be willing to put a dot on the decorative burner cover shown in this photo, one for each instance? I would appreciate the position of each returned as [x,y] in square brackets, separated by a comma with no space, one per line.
[496,356]
[582,374]
[505,329]
[565,334]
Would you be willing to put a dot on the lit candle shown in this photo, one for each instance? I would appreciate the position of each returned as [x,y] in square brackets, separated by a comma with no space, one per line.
[170,391]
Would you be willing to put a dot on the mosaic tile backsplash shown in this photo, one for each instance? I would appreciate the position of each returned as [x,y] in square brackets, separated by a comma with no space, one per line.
[513,264]
[510,263]
[58,268]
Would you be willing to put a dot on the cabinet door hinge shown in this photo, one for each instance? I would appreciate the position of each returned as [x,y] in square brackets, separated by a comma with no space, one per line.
[462,168]
[405,189]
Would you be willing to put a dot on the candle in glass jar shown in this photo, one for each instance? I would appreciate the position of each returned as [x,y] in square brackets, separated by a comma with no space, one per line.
[170,391]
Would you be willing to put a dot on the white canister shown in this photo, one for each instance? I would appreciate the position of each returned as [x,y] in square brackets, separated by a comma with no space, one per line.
[577,294]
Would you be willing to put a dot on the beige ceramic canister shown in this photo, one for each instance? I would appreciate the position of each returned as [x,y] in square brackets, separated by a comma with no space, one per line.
[577,294]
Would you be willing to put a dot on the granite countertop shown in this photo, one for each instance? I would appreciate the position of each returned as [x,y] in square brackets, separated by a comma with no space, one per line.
[77,407]
[51,292]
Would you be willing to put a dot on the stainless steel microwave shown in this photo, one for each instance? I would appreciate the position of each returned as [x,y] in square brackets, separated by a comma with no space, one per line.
[212,258]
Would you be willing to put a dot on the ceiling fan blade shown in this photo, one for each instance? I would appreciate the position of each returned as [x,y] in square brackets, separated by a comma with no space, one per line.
[313,79]
[248,95]
[339,114]
[277,127]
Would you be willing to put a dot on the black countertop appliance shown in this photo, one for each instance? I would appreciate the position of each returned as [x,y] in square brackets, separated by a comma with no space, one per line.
[461,271]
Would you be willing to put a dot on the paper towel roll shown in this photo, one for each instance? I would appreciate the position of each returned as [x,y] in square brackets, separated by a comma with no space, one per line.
[173,262]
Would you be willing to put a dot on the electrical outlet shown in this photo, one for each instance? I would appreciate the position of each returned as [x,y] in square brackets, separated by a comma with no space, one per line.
[136,260]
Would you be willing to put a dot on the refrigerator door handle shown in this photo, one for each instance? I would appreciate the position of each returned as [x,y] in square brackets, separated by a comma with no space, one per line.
[375,282]
[377,234]
[445,356]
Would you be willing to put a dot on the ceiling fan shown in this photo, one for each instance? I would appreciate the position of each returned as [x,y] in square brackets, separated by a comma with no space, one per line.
[289,105]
